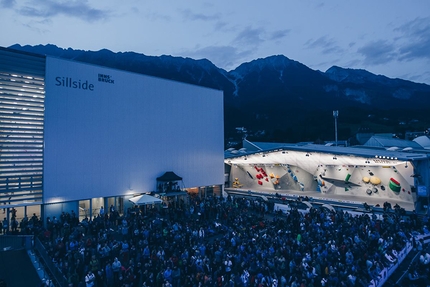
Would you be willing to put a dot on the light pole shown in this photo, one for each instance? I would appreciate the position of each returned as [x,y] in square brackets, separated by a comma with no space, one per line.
[335,115]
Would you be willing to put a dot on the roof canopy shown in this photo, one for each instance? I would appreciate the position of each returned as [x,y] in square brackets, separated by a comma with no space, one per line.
[169,176]
[145,199]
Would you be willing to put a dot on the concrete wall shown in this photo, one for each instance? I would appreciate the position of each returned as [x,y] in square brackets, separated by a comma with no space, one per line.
[110,132]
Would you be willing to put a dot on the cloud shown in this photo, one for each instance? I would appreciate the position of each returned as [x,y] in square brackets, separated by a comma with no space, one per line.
[412,43]
[7,3]
[220,25]
[277,35]
[325,44]
[155,16]
[50,8]
[417,36]
[320,5]
[189,15]
[36,28]
[225,57]
[241,48]
[422,77]
[378,52]
[250,36]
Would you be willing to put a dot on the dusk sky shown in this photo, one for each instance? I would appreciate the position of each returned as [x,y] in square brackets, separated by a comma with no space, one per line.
[388,37]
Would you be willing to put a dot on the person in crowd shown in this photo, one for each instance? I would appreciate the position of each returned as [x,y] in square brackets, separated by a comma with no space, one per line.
[90,279]
[116,269]
[5,225]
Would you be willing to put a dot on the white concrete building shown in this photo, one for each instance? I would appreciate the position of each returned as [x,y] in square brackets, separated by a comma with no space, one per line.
[76,136]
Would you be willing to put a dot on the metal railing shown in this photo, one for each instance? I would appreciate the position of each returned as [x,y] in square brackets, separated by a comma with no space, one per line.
[55,273]
[388,271]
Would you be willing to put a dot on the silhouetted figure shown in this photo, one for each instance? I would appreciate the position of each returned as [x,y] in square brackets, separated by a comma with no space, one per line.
[366,207]
[387,206]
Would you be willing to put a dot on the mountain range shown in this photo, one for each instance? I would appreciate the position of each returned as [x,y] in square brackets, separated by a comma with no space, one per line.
[281,100]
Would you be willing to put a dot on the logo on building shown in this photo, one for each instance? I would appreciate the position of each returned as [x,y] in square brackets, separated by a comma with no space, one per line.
[69,82]
[106,78]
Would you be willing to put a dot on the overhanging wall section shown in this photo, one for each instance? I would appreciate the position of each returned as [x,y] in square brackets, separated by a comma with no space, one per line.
[22,95]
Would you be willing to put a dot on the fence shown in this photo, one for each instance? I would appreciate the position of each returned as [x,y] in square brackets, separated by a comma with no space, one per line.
[425,238]
[387,272]
[56,275]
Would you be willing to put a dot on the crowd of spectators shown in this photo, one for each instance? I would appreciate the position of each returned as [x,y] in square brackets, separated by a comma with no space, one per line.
[231,241]
[27,226]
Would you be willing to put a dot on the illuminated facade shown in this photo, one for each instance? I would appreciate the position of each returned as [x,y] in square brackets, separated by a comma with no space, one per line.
[75,136]
[22,105]
[339,173]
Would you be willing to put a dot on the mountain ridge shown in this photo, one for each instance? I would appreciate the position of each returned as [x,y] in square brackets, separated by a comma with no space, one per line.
[275,97]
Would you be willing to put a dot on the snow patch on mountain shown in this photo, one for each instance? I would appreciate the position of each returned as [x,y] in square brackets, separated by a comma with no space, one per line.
[402,94]
[237,78]
[281,73]
[331,88]
[358,95]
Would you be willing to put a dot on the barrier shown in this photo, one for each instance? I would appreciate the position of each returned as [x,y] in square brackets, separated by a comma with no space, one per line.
[286,208]
[388,271]
[54,271]
[424,237]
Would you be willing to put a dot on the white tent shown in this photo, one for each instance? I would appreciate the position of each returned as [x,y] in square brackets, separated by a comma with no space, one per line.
[145,199]
[329,207]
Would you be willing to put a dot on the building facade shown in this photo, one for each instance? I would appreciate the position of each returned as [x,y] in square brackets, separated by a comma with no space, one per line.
[76,136]
[344,174]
